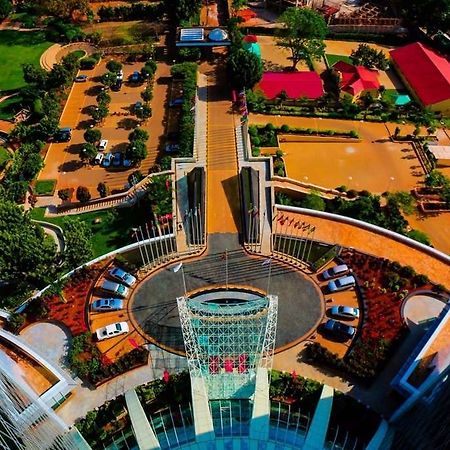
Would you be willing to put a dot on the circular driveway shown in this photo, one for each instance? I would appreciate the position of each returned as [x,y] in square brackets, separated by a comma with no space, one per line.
[154,308]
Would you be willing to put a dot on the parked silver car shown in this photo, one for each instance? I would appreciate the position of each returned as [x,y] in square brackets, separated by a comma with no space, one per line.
[107,304]
[344,312]
[122,276]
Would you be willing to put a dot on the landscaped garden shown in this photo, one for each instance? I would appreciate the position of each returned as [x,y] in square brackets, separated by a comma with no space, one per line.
[18,48]
[383,286]
[4,157]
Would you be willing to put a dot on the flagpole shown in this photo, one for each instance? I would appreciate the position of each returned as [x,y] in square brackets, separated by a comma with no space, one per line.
[256,229]
[151,246]
[306,242]
[197,210]
[226,268]
[310,247]
[187,231]
[184,279]
[274,232]
[139,245]
[262,232]
[249,227]
[301,240]
[156,244]
[145,248]
[166,245]
[268,278]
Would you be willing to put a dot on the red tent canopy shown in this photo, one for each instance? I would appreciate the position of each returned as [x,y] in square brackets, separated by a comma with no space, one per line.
[251,38]
[246,14]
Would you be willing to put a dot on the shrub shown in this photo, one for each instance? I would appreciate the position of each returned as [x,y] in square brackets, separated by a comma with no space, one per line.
[270,127]
[83,194]
[64,194]
[342,188]
[256,141]
[421,280]
[407,272]
[102,189]
[256,151]
[279,153]
[253,130]
[353,134]
[15,322]
[285,128]
[113,66]
[352,193]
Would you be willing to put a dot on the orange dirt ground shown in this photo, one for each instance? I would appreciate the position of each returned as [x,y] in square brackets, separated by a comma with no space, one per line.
[62,161]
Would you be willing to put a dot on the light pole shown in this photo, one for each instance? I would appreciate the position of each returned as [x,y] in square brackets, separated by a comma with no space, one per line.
[391,180]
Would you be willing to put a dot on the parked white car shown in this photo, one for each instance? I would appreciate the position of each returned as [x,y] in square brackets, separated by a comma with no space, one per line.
[114,329]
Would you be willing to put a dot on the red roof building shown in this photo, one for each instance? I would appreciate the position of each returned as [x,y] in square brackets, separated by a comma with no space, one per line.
[357,80]
[295,84]
[426,73]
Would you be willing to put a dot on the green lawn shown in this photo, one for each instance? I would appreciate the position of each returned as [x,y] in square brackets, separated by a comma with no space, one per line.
[17,48]
[44,187]
[113,231]
[4,157]
[332,59]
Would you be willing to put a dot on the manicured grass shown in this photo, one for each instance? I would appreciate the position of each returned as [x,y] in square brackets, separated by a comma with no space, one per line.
[123,33]
[78,53]
[4,157]
[332,59]
[44,187]
[114,229]
[17,48]
[10,106]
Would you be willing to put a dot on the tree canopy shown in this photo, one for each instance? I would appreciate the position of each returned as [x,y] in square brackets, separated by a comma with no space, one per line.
[6,8]
[302,33]
[369,57]
[137,151]
[245,68]
[77,237]
[27,257]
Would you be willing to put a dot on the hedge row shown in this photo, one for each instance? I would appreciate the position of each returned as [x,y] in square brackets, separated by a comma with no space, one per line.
[187,72]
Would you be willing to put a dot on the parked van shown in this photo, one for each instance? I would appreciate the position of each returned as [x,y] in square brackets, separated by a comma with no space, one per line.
[335,271]
[341,283]
[115,288]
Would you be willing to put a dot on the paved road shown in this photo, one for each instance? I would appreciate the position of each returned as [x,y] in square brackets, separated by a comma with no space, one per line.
[155,309]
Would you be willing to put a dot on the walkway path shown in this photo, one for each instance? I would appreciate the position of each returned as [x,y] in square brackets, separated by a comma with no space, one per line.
[56,52]
[222,181]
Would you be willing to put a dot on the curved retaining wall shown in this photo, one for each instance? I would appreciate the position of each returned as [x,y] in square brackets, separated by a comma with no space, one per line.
[378,241]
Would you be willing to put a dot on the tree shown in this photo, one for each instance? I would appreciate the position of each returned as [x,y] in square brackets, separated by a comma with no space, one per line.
[114,66]
[27,256]
[138,134]
[144,113]
[313,201]
[137,151]
[64,8]
[77,237]
[103,98]
[6,8]
[99,113]
[31,166]
[369,57]
[244,68]
[83,194]
[109,78]
[48,126]
[147,94]
[88,152]
[102,189]
[302,33]
[34,75]
[64,194]
[92,135]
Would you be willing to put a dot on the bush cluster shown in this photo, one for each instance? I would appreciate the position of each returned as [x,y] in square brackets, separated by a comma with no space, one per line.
[187,72]
[135,11]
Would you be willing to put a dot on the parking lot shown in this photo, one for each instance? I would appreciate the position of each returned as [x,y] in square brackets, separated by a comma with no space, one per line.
[62,161]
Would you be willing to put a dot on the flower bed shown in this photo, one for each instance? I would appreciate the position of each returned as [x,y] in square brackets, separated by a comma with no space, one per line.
[88,363]
[68,305]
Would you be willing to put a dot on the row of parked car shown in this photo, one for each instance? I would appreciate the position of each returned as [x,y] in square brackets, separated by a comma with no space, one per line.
[338,280]
[118,291]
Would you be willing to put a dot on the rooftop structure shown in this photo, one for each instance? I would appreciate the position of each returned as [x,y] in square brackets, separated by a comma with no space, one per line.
[296,84]
[227,339]
[356,80]
[202,37]
[441,153]
[425,369]
[27,420]
[426,73]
